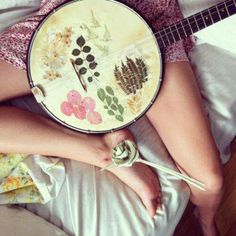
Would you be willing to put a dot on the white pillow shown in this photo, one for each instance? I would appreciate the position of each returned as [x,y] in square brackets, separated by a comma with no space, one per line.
[214,67]
[216,74]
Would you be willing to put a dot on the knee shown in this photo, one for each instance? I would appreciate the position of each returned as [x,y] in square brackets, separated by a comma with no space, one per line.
[214,182]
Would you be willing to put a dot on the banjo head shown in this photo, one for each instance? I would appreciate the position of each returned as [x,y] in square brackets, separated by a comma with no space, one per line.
[94,66]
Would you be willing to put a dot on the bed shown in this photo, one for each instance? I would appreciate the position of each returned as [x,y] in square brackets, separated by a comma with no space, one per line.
[85,201]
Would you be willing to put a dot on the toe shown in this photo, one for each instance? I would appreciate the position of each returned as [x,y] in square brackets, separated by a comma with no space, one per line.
[151,205]
[151,199]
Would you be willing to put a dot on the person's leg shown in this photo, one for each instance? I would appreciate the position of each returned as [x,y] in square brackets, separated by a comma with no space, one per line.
[28,133]
[179,118]
[13,82]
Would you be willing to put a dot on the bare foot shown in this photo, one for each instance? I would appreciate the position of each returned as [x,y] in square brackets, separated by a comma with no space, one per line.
[208,227]
[139,177]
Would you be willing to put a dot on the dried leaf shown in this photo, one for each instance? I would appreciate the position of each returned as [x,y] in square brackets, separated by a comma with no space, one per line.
[119,118]
[108,100]
[101,94]
[115,100]
[121,109]
[110,90]
[90,79]
[111,113]
[79,61]
[113,107]
[131,75]
[83,71]
[90,58]
[76,52]
[81,41]
[92,65]
[86,49]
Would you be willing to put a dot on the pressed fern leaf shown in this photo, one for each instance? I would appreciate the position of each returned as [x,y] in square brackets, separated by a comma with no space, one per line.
[131,75]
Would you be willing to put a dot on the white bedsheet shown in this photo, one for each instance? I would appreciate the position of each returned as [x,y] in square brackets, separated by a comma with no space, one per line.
[95,203]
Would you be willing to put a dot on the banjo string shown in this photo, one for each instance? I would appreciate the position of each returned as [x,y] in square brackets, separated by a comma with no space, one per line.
[136,43]
[161,31]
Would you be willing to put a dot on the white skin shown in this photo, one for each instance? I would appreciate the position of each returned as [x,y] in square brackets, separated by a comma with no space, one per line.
[177,116]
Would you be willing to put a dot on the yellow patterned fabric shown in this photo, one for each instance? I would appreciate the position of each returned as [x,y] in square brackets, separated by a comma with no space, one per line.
[24,180]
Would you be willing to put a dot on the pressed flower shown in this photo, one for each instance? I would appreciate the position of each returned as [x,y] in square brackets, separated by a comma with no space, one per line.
[67,41]
[82,108]
[11,182]
[55,53]
[69,30]
[51,75]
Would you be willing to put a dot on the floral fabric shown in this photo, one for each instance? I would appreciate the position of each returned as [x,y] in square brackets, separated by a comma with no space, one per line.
[23,180]
[16,185]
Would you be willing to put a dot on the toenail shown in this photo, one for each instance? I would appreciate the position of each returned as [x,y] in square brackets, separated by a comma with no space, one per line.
[160,210]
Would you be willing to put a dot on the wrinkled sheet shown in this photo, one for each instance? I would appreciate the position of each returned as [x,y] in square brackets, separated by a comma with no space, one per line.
[92,202]
[24,179]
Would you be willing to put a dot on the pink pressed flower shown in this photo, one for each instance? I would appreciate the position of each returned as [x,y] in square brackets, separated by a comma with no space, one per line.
[89,103]
[80,112]
[67,108]
[94,118]
[79,107]
[74,97]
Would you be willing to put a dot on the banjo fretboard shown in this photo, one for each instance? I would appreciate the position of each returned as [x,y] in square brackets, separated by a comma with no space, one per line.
[192,24]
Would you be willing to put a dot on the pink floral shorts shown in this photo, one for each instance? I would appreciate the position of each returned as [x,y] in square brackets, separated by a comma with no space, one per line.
[14,41]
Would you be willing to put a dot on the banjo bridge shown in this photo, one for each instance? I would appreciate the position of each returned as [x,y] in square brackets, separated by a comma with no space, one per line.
[38,94]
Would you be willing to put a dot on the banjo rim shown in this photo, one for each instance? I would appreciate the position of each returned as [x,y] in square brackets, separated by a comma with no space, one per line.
[32,85]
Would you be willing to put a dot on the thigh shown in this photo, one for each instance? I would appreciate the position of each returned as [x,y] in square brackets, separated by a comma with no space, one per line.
[13,82]
[180,119]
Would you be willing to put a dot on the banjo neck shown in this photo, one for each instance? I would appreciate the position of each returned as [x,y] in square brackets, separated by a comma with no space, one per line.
[194,23]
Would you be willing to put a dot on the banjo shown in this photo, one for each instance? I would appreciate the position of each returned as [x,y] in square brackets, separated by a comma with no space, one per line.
[95,66]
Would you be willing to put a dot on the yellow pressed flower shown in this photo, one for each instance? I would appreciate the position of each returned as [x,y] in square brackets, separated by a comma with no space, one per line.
[67,41]
[68,30]
[59,36]
[12,182]
[55,55]
[57,75]
[48,75]
[51,75]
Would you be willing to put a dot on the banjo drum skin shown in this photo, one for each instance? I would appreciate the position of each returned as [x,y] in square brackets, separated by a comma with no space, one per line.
[94,65]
